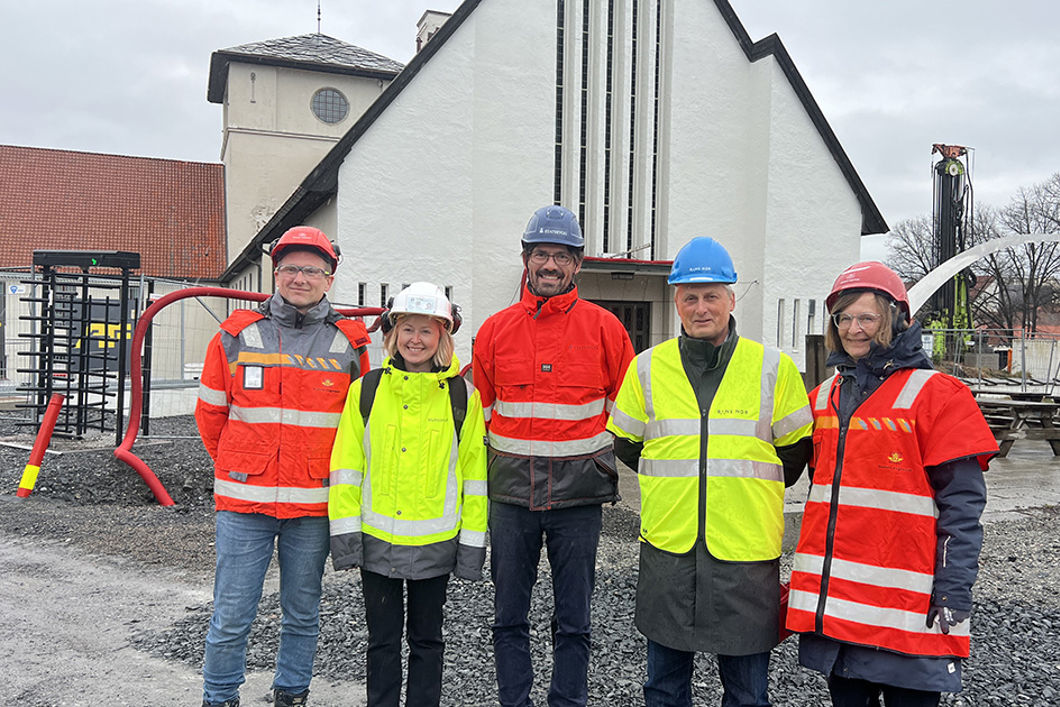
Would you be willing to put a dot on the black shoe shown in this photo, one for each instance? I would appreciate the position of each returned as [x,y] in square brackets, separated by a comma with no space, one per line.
[234,702]
[286,699]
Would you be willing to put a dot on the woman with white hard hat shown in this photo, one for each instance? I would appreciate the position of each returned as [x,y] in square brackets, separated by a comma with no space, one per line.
[888,551]
[408,491]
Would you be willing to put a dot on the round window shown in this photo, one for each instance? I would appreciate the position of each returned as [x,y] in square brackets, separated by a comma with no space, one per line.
[329,105]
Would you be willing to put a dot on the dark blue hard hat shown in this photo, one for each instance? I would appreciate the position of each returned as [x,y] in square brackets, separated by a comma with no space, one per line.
[554,224]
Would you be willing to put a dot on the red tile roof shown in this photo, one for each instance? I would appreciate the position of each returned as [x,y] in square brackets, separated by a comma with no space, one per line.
[170,212]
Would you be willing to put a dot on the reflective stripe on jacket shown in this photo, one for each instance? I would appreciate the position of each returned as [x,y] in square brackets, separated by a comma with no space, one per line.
[406,479]
[760,405]
[270,396]
[865,561]
[548,370]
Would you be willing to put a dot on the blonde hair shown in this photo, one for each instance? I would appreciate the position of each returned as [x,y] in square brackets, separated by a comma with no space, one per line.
[884,333]
[442,357]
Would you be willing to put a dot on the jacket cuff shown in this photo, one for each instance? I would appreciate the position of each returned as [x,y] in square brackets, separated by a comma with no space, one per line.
[469,561]
[346,551]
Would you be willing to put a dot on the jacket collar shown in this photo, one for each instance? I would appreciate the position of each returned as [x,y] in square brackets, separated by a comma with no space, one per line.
[705,353]
[906,351]
[395,362]
[556,304]
[287,315]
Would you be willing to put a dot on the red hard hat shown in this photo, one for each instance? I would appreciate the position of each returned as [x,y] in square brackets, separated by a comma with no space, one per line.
[870,275]
[305,237]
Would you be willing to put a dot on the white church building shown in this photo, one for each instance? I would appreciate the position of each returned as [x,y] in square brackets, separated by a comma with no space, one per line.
[653,120]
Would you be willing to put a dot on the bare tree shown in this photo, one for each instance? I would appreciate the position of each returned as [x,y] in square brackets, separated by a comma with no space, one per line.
[1014,285]
[910,247]
[1021,281]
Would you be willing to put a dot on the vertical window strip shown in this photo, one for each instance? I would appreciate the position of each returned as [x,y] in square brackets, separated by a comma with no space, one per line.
[583,157]
[607,123]
[632,122]
[655,127]
[558,186]
[780,323]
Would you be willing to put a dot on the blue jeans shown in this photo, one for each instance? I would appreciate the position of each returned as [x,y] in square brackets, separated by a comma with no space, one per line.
[744,678]
[571,536]
[244,549]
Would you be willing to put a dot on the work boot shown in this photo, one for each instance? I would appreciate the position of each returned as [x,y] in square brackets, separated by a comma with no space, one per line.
[286,699]
[234,702]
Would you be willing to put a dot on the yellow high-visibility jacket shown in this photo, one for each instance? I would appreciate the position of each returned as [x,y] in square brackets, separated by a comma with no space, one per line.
[407,498]
[760,404]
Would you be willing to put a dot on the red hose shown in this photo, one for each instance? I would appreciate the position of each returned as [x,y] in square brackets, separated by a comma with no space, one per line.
[124,450]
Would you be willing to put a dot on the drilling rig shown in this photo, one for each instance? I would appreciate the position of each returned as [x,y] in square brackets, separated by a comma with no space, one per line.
[952,234]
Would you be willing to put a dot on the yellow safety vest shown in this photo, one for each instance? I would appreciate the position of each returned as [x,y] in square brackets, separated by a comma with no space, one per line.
[760,404]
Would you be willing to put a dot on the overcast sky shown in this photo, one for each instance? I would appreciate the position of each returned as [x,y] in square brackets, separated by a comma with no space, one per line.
[892,77]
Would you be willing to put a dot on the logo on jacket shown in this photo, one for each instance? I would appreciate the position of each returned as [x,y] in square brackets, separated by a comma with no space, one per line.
[895,462]
[327,382]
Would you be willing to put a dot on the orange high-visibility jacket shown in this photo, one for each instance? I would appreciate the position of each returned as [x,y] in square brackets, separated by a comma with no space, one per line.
[865,561]
[270,397]
[548,370]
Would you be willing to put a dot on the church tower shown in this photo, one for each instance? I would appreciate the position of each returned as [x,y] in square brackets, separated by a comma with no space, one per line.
[286,103]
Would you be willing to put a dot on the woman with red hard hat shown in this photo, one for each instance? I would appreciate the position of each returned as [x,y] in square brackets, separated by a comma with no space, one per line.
[888,551]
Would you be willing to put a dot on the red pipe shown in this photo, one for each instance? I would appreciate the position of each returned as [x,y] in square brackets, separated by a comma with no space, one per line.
[124,450]
[44,436]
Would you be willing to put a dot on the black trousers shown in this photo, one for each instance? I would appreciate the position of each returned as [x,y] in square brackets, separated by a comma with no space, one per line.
[385,615]
[862,693]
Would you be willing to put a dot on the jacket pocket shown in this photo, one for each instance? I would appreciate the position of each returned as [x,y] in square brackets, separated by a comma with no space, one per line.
[319,467]
[238,464]
[435,470]
[514,373]
[582,374]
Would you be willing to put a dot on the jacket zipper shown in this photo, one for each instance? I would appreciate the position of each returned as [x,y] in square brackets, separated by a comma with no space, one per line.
[833,511]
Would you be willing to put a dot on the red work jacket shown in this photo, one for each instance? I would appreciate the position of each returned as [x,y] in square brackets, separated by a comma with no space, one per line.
[865,560]
[270,397]
[548,370]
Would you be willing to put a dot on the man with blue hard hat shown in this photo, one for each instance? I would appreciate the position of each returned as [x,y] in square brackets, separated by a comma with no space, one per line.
[548,369]
[717,426]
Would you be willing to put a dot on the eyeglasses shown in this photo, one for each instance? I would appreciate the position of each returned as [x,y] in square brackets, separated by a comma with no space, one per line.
[865,321]
[311,272]
[540,258]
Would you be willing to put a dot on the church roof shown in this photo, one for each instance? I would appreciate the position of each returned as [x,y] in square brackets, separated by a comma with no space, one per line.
[315,52]
[322,182]
[169,211]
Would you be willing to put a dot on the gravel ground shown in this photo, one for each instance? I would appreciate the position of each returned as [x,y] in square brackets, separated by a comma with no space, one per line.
[87,500]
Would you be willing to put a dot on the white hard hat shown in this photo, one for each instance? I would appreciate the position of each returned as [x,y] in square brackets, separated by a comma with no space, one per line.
[425,298]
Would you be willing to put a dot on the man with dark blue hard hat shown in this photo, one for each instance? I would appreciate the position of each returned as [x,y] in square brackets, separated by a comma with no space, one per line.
[717,426]
[548,369]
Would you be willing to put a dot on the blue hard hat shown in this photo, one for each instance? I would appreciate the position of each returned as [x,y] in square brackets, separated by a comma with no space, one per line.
[554,224]
[702,260]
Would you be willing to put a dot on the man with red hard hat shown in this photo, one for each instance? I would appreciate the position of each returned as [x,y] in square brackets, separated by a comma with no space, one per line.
[271,392]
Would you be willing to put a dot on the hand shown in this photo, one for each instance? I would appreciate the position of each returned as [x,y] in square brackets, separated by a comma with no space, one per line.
[947,617]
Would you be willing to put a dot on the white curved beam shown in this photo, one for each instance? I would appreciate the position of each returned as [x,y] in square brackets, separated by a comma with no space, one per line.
[922,291]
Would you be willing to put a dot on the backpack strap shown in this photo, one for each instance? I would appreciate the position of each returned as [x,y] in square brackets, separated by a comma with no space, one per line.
[457,397]
[369,383]
[458,400]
